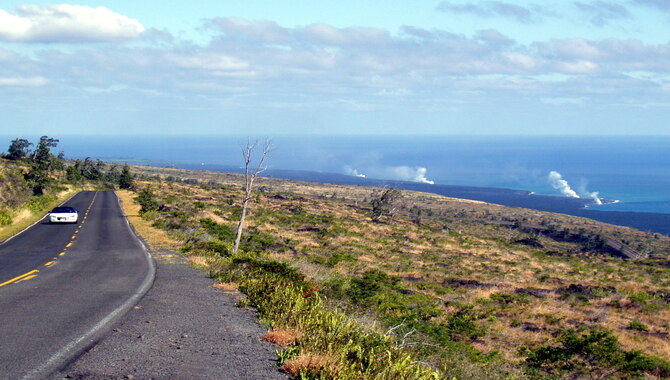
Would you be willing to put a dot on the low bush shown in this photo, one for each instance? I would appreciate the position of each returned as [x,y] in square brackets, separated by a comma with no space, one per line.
[5,218]
[147,200]
[465,325]
[284,298]
[40,203]
[220,231]
[637,325]
[372,281]
[593,353]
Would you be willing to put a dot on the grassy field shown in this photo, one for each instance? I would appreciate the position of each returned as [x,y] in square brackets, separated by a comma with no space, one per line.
[468,289]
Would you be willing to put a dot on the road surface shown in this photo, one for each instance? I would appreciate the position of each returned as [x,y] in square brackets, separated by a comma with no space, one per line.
[62,285]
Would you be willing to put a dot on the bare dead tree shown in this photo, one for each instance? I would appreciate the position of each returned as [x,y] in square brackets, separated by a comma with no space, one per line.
[249,178]
[384,203]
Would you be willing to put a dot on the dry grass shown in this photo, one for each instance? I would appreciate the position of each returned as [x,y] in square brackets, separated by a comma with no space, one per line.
[155,238]
[25,217]
[464,241]
[228,286]
[308,363]
[282,336]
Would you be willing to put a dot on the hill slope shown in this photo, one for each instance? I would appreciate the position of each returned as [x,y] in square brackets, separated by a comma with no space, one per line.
[458,276]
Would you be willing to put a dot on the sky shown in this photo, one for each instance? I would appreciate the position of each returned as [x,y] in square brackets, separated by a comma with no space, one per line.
[270,67]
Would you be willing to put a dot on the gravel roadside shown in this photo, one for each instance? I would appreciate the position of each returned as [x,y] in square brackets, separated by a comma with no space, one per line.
[182,329]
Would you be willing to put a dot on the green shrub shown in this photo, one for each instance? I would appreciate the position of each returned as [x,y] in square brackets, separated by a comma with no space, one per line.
[464,325]
[40,203]
[147,200]
[637,325]
[221,248]
[336,287]
[593,353]
[220,231]
[358,354]
[507,299]
[5,218]
[256,242]
[338,257]
[373,280]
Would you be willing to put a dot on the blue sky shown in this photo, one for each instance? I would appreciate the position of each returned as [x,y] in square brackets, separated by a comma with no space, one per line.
[345,67]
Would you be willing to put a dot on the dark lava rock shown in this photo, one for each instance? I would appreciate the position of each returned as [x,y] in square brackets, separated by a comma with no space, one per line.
[404,291]
[535,292]
[588,291]
[467,283]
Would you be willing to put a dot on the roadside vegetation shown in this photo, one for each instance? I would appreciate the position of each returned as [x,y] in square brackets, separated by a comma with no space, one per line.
[414,285]
[32,182]
[361,283]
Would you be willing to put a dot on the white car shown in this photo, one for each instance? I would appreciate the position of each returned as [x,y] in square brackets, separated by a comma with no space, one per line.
[63,215]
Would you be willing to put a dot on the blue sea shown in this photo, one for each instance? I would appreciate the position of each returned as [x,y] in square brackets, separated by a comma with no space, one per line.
[632,170]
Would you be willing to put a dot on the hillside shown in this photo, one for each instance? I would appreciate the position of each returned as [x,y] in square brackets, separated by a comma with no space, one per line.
[476,290]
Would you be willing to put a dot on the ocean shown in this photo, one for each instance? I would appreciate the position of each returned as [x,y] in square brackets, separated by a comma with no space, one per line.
[631,173]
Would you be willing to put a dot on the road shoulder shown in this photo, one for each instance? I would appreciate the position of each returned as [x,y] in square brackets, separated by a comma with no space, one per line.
[182,329]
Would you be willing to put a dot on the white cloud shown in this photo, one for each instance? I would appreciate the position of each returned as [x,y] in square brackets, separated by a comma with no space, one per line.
[562,101]
[209,61]
[66,23]
[265,31]
[602,12]
[578,67]
[355,74]
[491,9]
[328,34]
[23,82]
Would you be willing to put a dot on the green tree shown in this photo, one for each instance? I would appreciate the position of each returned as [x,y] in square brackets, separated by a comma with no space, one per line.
[126,178]
[92,170]
[147,200]
[18,149]
[42,165]
[74,172]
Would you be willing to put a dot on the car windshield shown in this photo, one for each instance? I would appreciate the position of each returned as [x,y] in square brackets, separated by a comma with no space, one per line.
[63,210]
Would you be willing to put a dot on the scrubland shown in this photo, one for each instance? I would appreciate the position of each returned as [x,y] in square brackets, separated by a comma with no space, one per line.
[446,288]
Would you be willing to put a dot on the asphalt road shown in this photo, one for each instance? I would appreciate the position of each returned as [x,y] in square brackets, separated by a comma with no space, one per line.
[63,285]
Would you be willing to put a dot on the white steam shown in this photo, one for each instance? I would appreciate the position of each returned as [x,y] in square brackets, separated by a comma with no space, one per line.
[354,172]
[558,183]
[594,196]
[413,174]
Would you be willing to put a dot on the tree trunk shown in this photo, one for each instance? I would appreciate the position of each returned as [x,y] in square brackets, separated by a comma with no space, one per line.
[240,226]
[249,178]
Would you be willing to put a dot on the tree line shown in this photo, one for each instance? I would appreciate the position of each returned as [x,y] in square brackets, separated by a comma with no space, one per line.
[43,166]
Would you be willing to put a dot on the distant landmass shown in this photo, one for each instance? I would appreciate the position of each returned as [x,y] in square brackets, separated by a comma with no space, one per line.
[645,221]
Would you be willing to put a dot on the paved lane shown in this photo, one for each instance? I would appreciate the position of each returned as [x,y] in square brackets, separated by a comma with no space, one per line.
[62,285]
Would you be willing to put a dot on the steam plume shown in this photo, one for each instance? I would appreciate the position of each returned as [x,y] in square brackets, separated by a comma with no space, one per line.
[354,172]
[594,196]
[414,174]
[558,183]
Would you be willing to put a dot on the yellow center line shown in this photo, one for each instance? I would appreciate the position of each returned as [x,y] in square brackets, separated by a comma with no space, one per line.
[32,272]
[26,278]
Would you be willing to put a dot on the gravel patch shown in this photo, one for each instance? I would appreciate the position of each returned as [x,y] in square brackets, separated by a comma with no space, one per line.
[181,329]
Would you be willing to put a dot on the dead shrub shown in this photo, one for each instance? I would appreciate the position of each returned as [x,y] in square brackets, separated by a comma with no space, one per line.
[282,336]
[308,363]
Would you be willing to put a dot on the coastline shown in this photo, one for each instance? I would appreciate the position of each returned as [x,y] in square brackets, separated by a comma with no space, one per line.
[644,221]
